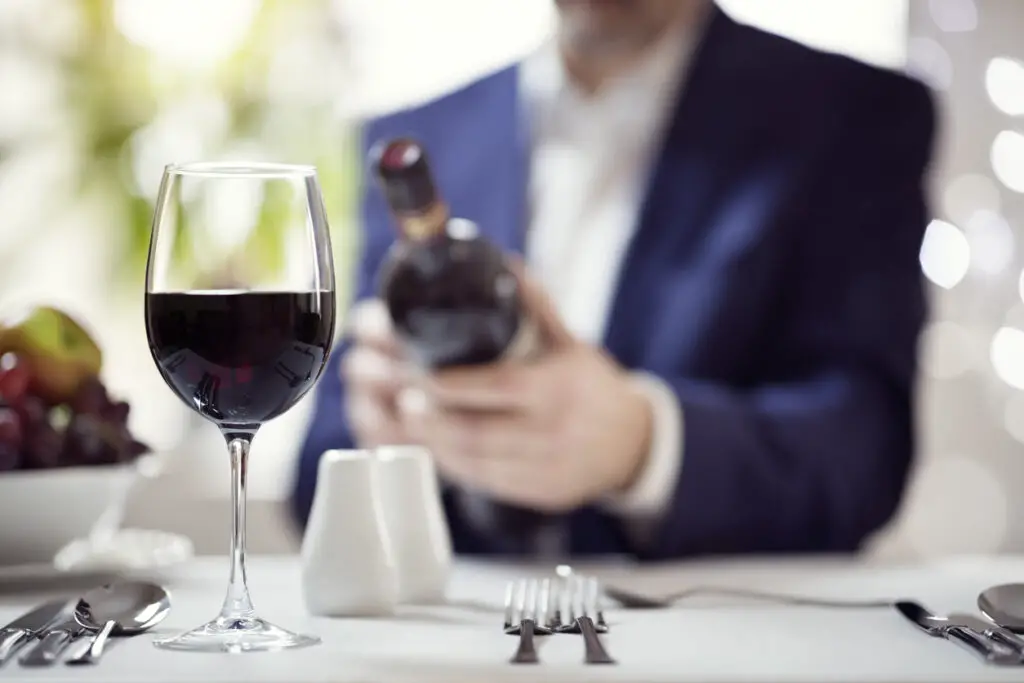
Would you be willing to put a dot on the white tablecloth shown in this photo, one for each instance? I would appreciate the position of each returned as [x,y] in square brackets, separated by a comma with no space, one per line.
[702,641]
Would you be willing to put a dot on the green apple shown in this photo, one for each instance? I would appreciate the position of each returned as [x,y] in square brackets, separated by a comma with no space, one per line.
[60,353]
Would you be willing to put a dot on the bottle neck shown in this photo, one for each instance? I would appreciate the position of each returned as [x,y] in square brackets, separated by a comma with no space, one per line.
[425,224]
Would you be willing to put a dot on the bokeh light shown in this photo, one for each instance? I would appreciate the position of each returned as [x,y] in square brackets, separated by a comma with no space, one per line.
[187,33]
[1008,159]
[954,16]
[183,132]
[1004,83]
[929,62]
[1007,356]
[968,193]
[992,242]
[945,254]
[30,96]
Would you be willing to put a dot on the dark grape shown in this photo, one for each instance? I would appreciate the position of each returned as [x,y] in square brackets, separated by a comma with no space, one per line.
[89,442]
[14,379]
[117,413]
[43,447]
[32,411]
[10,458]
[91,429]
[135,449]
[10,429]
[91,398]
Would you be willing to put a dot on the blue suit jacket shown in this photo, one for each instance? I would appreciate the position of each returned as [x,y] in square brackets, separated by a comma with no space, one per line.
[773,282]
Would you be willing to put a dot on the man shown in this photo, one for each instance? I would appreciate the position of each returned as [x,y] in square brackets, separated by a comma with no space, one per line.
[721,231]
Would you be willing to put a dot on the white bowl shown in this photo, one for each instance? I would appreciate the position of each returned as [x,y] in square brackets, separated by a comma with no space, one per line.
[43,510]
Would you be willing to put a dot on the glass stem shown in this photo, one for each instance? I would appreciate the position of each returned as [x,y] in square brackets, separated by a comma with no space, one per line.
[237,603]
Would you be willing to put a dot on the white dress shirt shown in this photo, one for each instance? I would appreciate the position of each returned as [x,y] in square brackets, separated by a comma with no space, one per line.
[590,160]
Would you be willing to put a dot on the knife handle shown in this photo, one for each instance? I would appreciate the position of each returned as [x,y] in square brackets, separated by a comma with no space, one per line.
[972,642]
[10,639]
[48,651]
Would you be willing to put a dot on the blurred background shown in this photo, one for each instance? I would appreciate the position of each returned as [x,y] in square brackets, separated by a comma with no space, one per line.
[98,95]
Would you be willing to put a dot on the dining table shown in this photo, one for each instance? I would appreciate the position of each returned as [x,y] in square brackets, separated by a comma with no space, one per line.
[705,639]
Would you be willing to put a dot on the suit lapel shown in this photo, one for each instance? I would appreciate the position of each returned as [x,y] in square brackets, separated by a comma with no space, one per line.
[480,157]
[678,194]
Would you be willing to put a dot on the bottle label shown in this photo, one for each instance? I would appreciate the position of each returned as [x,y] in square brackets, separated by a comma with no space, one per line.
[424,224]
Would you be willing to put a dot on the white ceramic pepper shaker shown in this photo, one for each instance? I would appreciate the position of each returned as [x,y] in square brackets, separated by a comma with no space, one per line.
[416,523]
[348,562]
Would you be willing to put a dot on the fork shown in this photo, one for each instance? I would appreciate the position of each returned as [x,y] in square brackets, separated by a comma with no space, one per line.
[526,615]
[585,615]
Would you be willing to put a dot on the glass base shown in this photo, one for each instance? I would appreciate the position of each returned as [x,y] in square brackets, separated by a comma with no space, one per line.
[235,636]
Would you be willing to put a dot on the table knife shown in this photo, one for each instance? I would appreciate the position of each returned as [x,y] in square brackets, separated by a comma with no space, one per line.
[987,628]
[30,625]
[48,650]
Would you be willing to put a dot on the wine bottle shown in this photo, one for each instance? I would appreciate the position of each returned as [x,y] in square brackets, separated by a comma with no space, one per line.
[451,296]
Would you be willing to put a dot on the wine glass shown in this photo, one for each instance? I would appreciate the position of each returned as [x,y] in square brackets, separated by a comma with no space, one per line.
[239,342]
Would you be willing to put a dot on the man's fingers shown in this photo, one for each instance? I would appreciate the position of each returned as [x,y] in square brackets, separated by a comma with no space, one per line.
[476,434]
[504,455]
[540,308]
[370,369]
[374,421]
[498,386]
[369,324]
[507,480]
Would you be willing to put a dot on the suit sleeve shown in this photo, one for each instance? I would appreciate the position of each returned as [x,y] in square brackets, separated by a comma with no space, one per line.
[328,428]
[817,458]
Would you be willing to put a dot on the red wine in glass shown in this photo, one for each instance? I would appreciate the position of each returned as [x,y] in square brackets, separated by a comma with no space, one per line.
[242,356]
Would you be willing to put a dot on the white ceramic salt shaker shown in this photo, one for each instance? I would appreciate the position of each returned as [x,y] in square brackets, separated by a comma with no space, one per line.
[416,523]
[348,565]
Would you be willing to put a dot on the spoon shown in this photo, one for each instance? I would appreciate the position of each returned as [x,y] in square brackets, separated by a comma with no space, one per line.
[1004,605]
[122,609]
[941,627]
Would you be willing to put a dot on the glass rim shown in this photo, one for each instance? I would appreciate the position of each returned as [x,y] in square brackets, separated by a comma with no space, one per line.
[240,169]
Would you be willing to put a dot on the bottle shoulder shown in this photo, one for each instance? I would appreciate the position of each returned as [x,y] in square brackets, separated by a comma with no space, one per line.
[459,245]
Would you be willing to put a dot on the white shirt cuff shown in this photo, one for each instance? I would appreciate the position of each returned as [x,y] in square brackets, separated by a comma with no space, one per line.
[652,492]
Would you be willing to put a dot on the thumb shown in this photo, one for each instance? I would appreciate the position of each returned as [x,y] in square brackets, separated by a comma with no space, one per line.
[540,308]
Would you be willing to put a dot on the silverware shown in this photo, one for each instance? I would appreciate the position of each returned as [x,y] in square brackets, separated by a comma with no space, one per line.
[51,647]
[526,610]
[940,627]
[581,599]
[1004,605]
[633,600]
[31,624]
[122,609]
[997,633]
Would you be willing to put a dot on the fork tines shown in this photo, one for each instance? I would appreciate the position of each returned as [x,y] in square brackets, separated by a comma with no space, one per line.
[526,615]
[578,596]
[581,598]
[527,599]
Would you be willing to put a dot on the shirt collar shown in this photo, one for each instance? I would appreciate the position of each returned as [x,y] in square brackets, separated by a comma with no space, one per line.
[634,103]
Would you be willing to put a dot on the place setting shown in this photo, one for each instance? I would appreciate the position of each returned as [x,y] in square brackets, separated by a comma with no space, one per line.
[77,631]
[376,581]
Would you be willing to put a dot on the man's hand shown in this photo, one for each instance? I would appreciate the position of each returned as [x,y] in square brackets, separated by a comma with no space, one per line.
[374,372]
[551,433]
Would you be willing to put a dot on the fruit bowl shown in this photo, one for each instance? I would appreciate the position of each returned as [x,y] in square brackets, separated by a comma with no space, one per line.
[41,511]
[66,452]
